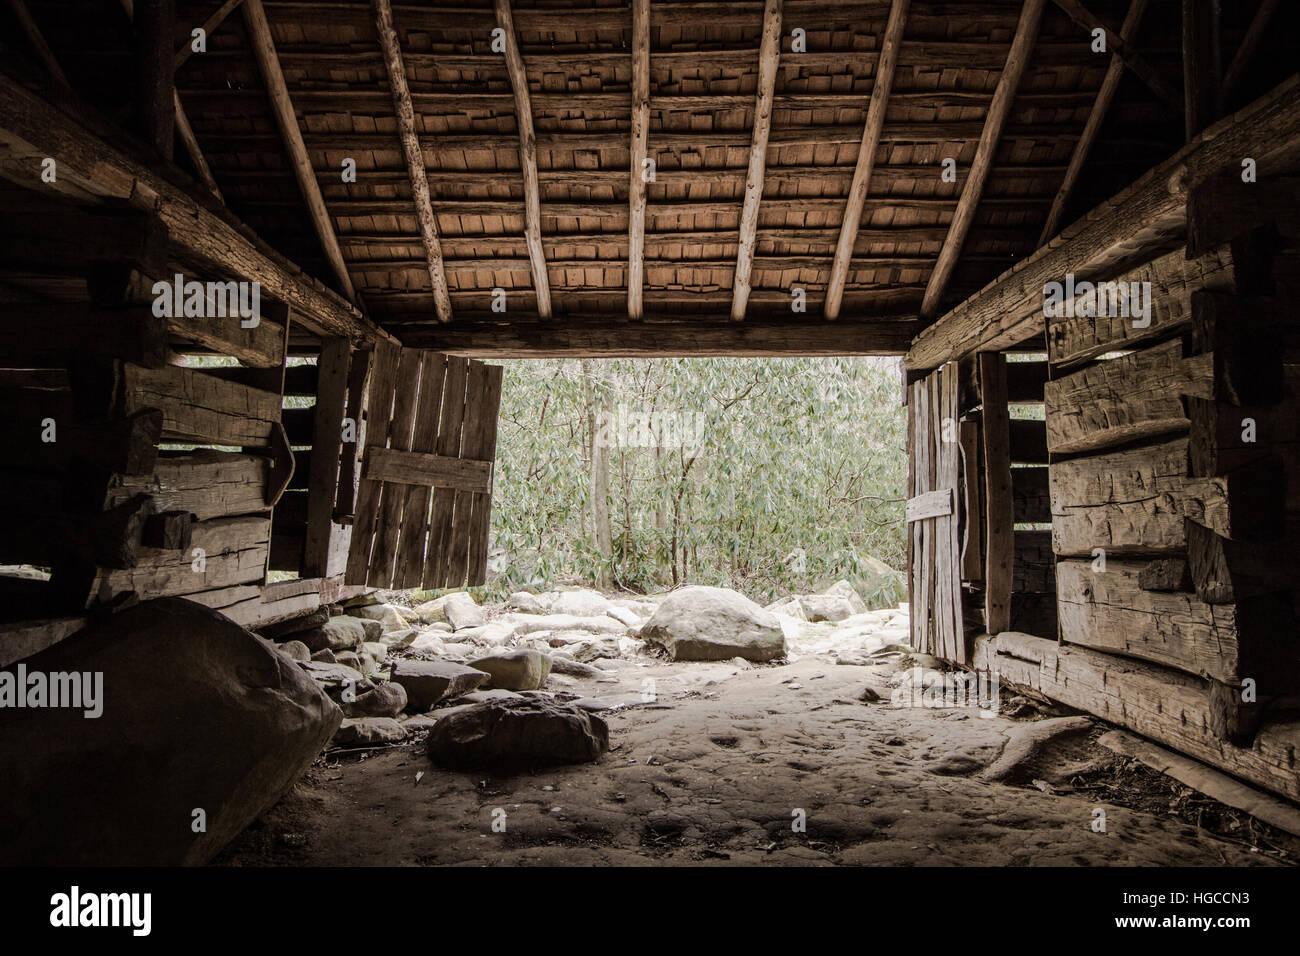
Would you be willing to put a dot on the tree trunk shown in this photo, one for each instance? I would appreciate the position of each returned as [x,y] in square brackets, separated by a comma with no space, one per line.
[602,540]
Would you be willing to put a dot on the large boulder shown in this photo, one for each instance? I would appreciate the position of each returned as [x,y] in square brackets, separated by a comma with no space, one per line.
[527,602]
[847,591]
[340,634]
[825,607]
[463,612]
[390,616]
[583,602]
[714,624]
[198,714]
[518,669]
[386,700]
[517,733]
[368,731]
[427,682]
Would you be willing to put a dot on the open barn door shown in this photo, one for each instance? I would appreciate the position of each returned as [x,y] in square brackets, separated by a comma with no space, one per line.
[935,513]
[424,500]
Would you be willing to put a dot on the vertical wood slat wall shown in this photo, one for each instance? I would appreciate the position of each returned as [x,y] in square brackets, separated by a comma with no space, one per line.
[414,535]
[935,586]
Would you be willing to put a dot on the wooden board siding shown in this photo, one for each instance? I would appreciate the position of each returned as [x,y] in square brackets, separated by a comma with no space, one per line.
[934,532]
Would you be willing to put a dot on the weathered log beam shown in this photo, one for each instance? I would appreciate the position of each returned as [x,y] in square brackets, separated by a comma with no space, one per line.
[259,36]
[639,170]
[597,337]
[1151,211]
[419,179]
[1109,84]
[1126,399]
[518,74]
[32,129]
[769,56]
[862,172]
[1022,45]
[1158,702]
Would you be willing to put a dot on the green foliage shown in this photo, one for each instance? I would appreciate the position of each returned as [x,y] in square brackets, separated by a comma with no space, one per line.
[769,476]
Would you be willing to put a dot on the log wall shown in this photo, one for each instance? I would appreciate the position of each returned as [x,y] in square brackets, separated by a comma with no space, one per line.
[143,472]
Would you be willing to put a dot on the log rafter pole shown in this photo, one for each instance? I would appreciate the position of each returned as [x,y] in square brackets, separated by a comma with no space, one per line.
[259,34]
[1241,59]
[1109,84]
[209,25]
[1148,74]
[414,156]
[769,57]
[527,157]
[1022,46]
[640,132]
[881,84]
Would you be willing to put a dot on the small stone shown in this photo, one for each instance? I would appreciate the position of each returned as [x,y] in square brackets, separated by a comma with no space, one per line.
[368,731]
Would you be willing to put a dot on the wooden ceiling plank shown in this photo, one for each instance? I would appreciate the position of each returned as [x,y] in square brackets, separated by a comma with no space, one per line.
[866,156]
[1022,46]
[1114,73]
[259,34]
[527,157]
[640,130]
[769,57]
[1144,71]
[410,139]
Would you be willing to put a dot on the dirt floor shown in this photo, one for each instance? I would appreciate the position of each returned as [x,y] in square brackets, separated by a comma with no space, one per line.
[727,761]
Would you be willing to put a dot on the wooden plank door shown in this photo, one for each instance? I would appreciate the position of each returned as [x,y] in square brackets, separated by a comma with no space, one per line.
[934,516]
[424,501]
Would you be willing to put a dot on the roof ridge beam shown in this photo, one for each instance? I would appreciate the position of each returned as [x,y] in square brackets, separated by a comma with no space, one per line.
[527,157]
[881,84]
[1022,46]
[420,194]
[769,56]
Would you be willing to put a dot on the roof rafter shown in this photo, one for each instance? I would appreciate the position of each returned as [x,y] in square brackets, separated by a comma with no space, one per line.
[414,157]
[880,89]
[1240,60]
[527,157]
[640,130]
[1021,48]
[1114,73]
[769,56]
[1148,74]
[259,35]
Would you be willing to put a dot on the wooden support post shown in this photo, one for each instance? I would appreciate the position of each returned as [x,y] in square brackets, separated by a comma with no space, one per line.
[999,532]
[881,85]
[358,382]
[410,138]
[638,172]
[769,56]
[1022,46]
[155,26]
[527,158]
[1109,84]
[268,62]
[326,446]
[1200,64]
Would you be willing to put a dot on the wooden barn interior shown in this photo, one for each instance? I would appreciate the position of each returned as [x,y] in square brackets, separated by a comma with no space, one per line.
[419,190]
